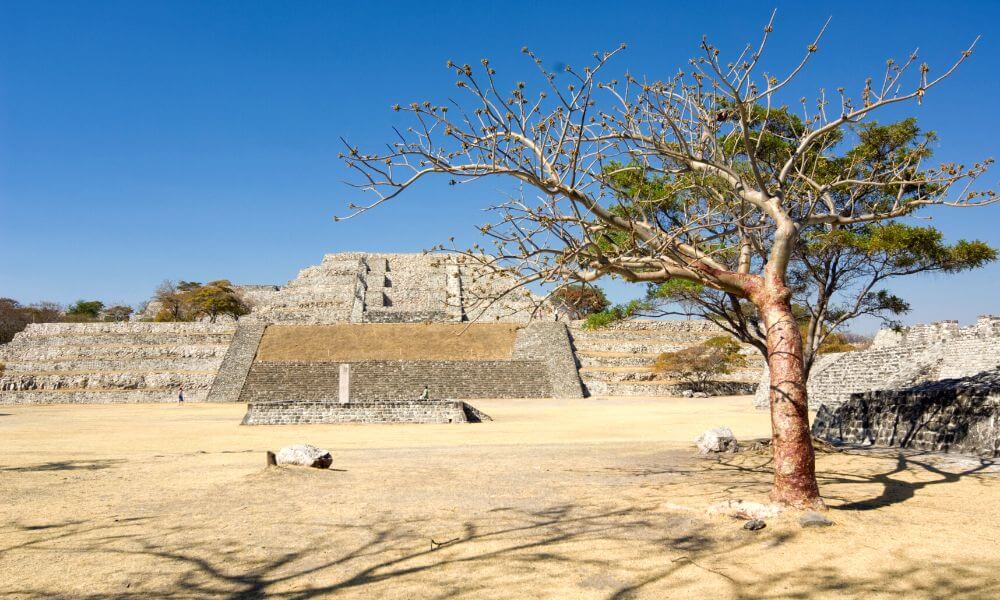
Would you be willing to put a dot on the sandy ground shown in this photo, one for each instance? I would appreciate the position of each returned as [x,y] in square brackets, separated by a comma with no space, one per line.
[554,499]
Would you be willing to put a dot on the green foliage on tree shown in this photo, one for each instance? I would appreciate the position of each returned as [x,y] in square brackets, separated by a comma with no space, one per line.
[215,298]
[838,271]
[579,301]
[613,314]
[192,301]
[14,316]
[88,310]
[118,312]
[700,364]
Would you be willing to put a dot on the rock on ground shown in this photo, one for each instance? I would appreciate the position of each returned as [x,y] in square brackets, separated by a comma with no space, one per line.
[718,439]
[814,519]
[304,455]
[754,525]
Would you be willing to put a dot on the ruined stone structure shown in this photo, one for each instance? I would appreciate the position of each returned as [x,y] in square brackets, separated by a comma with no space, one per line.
[930,387]
[392,288]
[410,411]
[222,362]
[950,415]
[57,363]
[901,360]
[618,360]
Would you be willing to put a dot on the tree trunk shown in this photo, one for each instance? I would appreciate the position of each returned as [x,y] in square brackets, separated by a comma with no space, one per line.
[791,439]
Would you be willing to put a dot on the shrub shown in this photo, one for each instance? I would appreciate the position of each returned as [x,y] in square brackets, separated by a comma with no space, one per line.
[189,301]
[618,312]
[580,301]
[85,310]
[700,364]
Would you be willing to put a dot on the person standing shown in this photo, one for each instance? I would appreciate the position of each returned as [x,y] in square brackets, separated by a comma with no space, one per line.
[180,394]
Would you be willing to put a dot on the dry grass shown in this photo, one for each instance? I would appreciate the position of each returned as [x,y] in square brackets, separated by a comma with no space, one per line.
[389,341]
[579,499]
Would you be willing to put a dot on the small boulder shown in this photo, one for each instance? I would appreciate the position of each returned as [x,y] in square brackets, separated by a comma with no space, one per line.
[718,439]
[754,525]
[699,395]
[687,393]
[304,455]
[814,519]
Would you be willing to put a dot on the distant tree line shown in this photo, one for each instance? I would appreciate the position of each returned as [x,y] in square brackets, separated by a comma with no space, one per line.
[14,316]
[181,301]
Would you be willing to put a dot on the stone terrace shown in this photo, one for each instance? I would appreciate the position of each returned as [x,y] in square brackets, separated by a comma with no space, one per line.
[363,287]
[618,360]
[112,362]
[900,360]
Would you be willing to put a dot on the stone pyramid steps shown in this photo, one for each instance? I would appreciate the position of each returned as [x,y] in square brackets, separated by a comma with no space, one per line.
[113,362]
[104,380]
[590,358]
[618,361]
[57,353]
[95,396]
[87,365]
[653,343]
[120,340]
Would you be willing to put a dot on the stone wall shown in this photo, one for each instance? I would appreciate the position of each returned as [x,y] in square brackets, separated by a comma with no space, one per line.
[901,360]
[392,288]
[290,413]
[56,363]
[618,360]
[232,374]
[953,415]
[549,343]
[396,380]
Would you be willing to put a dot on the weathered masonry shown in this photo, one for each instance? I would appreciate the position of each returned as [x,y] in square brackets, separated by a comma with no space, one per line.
[97,363]
[618,360]
[901,360]
[370,363]
[952,415]
[931,387]
[396,322]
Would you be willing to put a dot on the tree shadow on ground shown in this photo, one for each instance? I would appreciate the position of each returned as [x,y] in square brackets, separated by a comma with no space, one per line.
[755,472]
[65,465]
[896,490]
[533,548]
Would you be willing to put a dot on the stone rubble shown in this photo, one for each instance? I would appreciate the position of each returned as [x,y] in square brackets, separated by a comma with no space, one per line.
[718,439]
[304,455]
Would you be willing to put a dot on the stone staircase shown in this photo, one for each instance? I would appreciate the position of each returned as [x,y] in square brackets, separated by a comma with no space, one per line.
[403,288]
[56,363]
[323,293]
[618,360]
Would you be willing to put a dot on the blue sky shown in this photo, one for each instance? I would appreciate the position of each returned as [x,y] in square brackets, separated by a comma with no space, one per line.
[143,141]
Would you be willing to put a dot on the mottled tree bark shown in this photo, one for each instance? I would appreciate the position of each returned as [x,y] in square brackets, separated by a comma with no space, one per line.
[794,460]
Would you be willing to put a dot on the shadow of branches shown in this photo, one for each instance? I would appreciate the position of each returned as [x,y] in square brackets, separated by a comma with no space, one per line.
[527,549]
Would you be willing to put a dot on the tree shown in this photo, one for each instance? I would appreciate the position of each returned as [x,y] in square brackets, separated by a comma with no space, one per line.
[12,319]
[190,300]
[215,298]
[14,316]
[701,363]
[579,301]
[741,185]
[118,312]
[836,270]
[85,309]
[170,302]
[43,312]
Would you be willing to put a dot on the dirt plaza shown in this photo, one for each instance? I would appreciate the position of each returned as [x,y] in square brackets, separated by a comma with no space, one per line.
[557,498]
